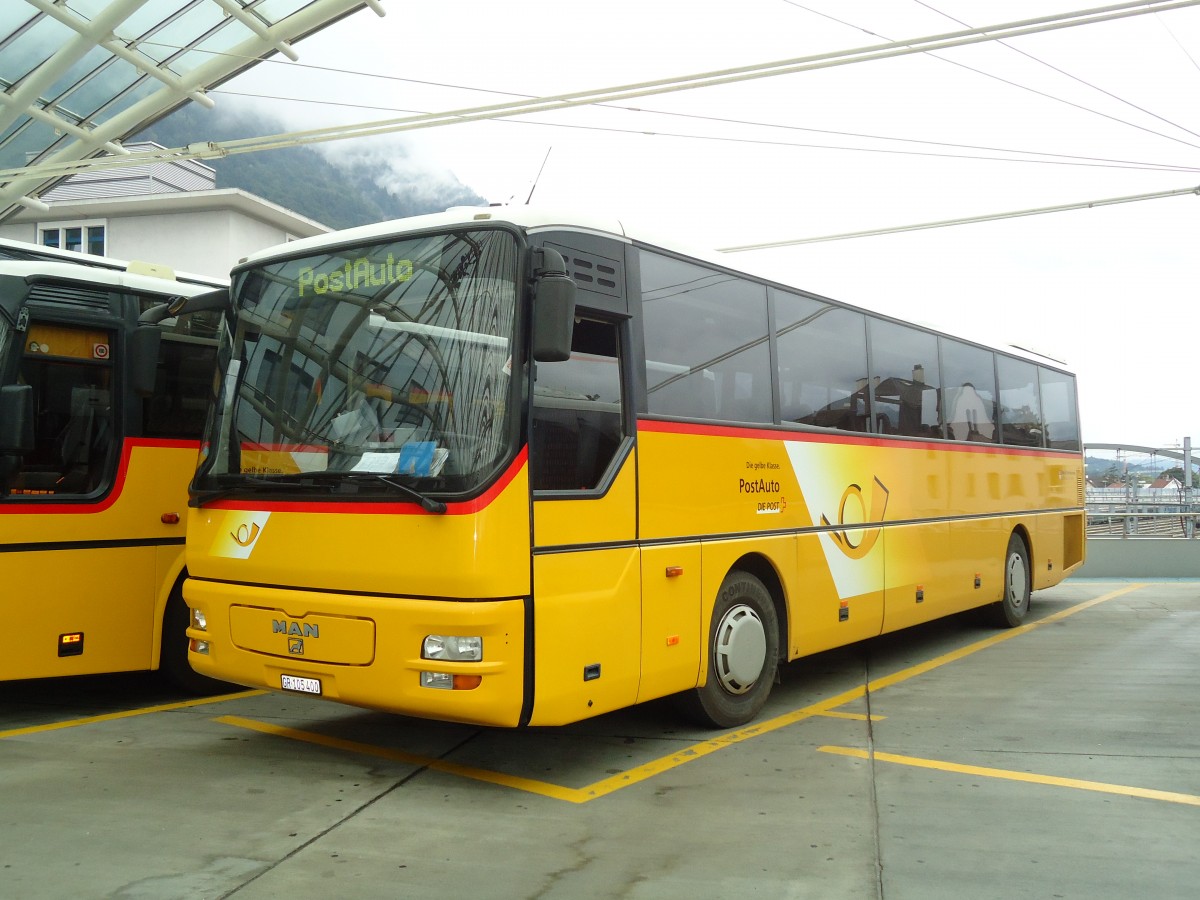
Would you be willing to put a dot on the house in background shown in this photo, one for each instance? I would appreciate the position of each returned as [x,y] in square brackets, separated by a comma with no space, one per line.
[168,213]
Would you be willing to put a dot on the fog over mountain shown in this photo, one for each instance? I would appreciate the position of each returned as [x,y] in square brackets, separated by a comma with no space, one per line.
[338,184]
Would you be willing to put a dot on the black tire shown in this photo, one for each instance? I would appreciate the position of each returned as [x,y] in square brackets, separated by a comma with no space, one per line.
[743,654]
[172,660]
[1013,606]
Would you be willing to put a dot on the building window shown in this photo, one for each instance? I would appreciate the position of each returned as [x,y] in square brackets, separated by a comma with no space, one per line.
[78,237]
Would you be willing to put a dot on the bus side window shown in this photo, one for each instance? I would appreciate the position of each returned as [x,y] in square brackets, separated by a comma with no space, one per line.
[1020,403]
[178,407]
[969,398]
[74,439]
[577,412]
[823,357]
[707,348]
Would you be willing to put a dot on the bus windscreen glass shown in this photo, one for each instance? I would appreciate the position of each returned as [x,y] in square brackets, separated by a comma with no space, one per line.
[382,365]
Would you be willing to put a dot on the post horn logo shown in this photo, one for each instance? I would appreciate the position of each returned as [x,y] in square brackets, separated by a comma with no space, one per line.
[245,534]
[853,540]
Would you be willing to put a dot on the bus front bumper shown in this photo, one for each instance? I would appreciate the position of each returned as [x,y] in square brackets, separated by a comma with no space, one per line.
[454,660]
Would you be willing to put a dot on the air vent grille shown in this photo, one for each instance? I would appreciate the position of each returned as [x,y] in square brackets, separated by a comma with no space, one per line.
[593,272]
[73,295]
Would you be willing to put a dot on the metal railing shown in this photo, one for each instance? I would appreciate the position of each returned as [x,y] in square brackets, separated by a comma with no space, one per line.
[1134,520]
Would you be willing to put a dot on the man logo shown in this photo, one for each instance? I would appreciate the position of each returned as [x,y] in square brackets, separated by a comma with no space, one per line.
[296,646]
[295,629]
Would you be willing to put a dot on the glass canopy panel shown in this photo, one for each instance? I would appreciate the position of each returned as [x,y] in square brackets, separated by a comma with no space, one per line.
[190,39]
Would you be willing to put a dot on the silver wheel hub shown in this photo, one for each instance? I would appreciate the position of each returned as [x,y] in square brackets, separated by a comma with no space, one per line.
[1018,577]
[740,649]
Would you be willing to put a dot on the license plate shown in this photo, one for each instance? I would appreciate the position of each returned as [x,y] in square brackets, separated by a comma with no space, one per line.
[303,685]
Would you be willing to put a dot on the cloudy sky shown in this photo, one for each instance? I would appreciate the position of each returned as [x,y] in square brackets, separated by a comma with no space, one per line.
[1070,116]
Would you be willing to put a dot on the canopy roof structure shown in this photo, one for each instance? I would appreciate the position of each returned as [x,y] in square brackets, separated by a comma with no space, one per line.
[80,76]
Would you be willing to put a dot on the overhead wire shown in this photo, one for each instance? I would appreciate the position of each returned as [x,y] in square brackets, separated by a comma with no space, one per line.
[1067,74]
[968,220]
[1023,157]
[622,92]
[1022,87]
[1167,28]
[1061,159]
[1116,163]
[1085,160]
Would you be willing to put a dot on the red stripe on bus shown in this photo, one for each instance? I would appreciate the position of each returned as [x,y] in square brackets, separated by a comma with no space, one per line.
[55,505]
[362,507]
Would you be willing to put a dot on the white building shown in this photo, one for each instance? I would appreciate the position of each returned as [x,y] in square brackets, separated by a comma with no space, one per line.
[169,213]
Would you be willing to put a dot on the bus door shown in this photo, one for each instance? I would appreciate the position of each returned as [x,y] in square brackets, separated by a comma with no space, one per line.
[71,580]
[586,565]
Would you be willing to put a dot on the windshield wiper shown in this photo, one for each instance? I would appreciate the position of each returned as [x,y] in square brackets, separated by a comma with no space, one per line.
[426,503]
[244,483]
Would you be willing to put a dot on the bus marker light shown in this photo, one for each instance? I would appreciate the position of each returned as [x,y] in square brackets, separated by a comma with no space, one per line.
[170,518]
[672,640]
[844,611]
[467,682]
[674,571]
[70,644]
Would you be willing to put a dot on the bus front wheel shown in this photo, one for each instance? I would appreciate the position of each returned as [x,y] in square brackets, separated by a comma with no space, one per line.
[743,652]
[1014,604]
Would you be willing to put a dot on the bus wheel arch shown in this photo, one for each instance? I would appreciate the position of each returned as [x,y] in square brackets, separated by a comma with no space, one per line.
[743,651]
[1016,582]
[173,646]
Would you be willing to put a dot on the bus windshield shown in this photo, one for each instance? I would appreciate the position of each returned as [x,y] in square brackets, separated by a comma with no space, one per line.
[386,364]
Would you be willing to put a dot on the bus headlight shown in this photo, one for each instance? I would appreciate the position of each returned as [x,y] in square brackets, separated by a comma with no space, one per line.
[452,648]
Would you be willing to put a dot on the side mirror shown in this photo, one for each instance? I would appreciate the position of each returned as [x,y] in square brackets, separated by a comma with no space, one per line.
[144,345]
[553,307]
[16,418]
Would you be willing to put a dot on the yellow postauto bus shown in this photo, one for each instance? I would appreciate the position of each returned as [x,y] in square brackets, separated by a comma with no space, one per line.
[502,467]
[98,440]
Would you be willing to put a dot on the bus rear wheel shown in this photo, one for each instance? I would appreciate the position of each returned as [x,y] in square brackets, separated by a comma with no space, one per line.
[742,655]
[1013,606]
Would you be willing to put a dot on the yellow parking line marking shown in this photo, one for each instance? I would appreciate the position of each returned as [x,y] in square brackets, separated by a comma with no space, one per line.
[1028,777]
[125,714]
[955,655]
[529,785]
[826,707]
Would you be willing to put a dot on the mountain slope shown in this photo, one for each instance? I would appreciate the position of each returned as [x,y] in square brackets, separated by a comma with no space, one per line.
[355,186]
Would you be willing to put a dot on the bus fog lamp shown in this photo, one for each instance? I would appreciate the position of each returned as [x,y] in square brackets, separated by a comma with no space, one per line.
[445,681]
[200,647]
[442,681]
[451,647]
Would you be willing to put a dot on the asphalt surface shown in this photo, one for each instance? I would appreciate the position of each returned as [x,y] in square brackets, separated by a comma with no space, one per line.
[1057,760]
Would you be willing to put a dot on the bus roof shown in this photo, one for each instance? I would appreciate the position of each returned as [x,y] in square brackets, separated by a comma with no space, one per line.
[535,219]
[531,218]
[22,250]
[113,278]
